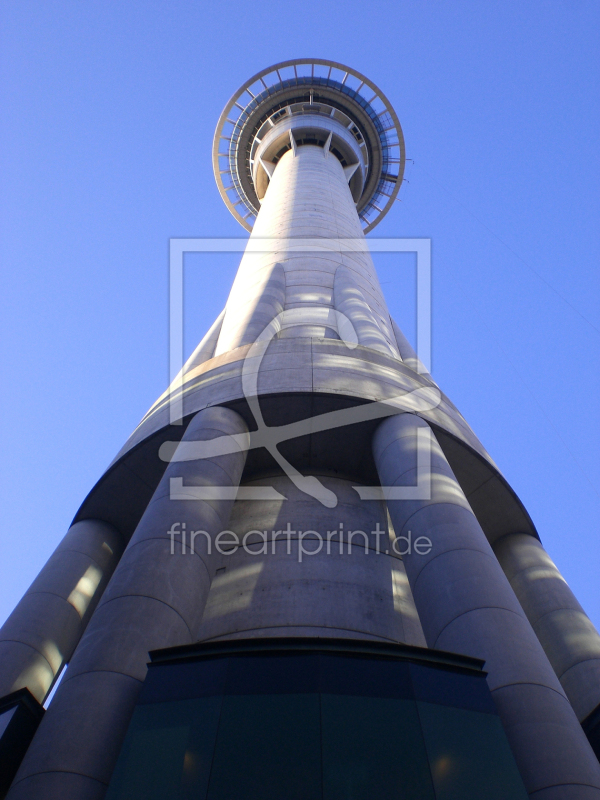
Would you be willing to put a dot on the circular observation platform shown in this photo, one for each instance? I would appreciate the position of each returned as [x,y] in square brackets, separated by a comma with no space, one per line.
[309,102]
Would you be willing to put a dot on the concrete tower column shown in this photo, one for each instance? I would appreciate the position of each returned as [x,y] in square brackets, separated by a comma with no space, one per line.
[155,599]
[466,605]
[566,633]
[308,197]
[40,635]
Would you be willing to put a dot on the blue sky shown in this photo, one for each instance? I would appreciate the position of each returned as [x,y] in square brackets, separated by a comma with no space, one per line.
[105,140]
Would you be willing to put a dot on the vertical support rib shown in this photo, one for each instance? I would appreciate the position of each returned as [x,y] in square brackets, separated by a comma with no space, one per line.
[350,301]
[206,349]
[203,353]
[42,632]
[155,599]
[466,605]
[566,633]
[407,353]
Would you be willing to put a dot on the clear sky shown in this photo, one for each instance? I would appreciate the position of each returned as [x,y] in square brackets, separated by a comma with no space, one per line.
[108,112]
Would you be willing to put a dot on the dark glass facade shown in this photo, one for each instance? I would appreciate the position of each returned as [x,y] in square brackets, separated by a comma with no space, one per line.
[314,720]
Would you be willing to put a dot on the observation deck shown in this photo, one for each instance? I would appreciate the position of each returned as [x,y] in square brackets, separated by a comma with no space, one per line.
[309,102]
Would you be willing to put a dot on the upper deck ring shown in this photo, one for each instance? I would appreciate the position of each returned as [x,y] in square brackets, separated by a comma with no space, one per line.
[303,81]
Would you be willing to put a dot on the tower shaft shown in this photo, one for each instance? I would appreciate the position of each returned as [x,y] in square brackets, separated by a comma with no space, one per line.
[308,201]
[317,511]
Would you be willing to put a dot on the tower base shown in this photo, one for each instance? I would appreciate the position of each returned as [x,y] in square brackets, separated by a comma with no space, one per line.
[314,718]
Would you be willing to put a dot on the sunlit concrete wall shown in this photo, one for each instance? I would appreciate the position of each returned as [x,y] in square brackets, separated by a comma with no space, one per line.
[308,570]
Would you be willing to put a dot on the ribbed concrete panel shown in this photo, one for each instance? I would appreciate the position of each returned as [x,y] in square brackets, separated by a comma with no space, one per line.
[351,302]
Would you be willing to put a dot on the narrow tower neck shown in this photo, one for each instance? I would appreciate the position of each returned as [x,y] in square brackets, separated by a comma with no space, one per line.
[308,198]
[308,195]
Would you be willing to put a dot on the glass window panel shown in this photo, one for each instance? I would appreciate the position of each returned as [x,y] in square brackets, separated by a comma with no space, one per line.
[450,688]
[167,752]
[365,676]
[182,681]
[373,748]
[281,674]
[469,756]
[268,748]
[276,738]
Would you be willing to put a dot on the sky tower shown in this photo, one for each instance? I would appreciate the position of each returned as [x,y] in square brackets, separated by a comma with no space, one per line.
[302,576]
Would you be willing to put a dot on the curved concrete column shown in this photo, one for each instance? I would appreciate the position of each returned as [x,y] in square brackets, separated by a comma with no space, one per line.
[466,605]
[407,353]
[566,633]
[42,632]
[155,599]
[350,301]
